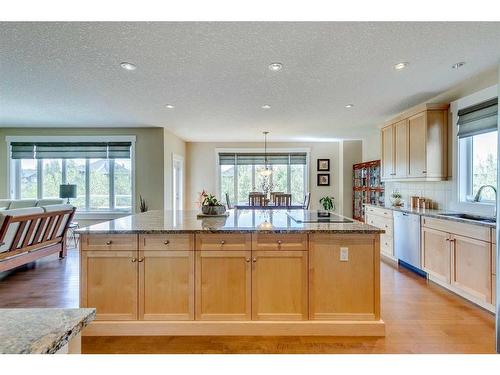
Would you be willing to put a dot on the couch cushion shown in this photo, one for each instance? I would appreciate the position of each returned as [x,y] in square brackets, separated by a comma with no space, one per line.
[59,207]
[48,202]
[22,203]
[4,204]
[11,231]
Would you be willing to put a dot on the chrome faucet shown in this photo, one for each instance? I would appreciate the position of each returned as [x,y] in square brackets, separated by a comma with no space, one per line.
[477,197]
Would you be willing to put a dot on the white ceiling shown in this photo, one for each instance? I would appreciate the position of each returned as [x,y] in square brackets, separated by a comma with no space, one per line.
[217,76]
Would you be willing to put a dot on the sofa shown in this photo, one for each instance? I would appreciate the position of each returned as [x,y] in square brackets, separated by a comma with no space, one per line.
[33,231]
[11,204]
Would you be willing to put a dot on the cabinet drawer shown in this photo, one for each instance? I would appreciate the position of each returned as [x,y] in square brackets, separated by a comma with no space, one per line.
[463,229]
[286,241]
[216,241]
[380,222]
[109,242]
[379,211]
[386,244]
[166,242]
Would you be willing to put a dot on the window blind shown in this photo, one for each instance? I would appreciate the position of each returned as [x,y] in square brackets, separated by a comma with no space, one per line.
[478,119]
[70,150]
[259,158]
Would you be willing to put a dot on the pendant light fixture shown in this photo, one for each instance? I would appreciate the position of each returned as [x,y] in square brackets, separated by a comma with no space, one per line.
[267,170]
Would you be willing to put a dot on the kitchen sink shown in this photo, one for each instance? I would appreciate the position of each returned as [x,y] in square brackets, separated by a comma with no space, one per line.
[482,219]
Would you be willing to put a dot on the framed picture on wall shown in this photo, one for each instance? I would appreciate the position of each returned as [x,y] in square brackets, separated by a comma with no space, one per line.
[323,165]
[323,179]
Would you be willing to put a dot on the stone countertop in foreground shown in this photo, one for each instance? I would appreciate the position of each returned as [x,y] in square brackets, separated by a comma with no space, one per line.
[238,221]
[40,331]
[429,212]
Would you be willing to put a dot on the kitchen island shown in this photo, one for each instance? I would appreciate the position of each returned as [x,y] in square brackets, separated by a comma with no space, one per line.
[254,272]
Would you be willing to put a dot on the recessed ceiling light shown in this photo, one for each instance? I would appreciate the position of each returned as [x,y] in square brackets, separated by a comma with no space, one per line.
[266,106]
[275,66]
[458,65]
[128,66]
[169,106]
[401,65]
[349,105]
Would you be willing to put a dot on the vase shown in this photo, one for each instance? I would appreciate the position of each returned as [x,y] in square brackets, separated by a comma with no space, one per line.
[213,210]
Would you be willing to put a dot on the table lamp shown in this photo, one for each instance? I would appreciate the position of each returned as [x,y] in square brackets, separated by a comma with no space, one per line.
[67,191]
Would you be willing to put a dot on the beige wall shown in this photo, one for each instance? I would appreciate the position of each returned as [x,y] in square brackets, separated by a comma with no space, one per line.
[172,145]
[149,159]
[201,167]
[351,154]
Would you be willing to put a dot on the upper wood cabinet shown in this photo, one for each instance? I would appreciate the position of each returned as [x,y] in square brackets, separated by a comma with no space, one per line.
[415,145]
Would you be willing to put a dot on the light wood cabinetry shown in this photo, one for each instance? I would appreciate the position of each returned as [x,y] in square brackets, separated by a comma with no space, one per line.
[353,292]
[382,218]
[289,241]
[223,241]
[279,285]
[166,285]
[436,254]
[109,242]
[223,285]
[387,153]
[110,284]
[175,242]
[401,149]
[472,265]
[415,145]
[458,256]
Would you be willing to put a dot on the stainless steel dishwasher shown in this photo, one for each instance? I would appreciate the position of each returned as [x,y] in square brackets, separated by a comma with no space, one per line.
[407,238]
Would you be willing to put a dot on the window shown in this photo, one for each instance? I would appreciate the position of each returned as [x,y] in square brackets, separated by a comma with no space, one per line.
[101,171]
[239,174]
[477,151]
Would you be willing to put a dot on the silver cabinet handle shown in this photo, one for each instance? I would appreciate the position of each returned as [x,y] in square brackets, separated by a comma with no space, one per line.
[247,260]
[254,260]
[280,242]
[222,242]
[166,242]
[134,260]
[424,171]
[109,242]
[141,259]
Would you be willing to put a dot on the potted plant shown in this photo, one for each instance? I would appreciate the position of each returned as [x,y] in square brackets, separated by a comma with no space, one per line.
[396,198]
[211,206]
[328,205]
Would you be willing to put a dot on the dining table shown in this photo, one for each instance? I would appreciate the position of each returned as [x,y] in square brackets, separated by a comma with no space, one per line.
[269,206]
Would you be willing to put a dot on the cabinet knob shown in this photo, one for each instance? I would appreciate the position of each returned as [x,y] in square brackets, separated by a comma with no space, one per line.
[222,242]
[254,259]
[424,172]
[109,242]
[141,259]
[447,239]
[280,242]
[247,260]
[134,260]
[166,242]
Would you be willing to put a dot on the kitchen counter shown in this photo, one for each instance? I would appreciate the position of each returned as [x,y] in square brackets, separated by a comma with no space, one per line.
[40,331]
[436,214]
[238,221]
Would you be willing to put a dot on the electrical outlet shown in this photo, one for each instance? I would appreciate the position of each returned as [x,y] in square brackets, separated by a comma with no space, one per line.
[344,254]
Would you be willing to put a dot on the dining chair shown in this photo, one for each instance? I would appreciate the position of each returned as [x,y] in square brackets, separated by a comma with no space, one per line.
[274,194]
[307,201]
[256,199]
[284,200]
[228,202]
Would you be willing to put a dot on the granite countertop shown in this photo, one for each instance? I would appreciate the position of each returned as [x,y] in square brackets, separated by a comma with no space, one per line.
[238,221]
[40,331]
[429,212]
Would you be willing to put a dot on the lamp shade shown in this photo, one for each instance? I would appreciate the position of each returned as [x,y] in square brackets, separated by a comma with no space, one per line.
[67,191]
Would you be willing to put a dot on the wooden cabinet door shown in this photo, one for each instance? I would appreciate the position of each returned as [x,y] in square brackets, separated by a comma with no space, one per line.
[401,149]
[109,283]
[387,168]
[436,254]
[472,267]
[417,135]
[343,290]
[166,285]
[223,285]
[279,285]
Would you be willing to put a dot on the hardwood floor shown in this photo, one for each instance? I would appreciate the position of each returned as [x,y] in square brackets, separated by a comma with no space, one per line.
[420,317]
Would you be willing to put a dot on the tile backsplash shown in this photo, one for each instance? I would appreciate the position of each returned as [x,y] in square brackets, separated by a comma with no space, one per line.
[440,192]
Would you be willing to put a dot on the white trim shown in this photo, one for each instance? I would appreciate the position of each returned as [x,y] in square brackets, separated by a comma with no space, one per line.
[456,204]
[180,159]
[70,138]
